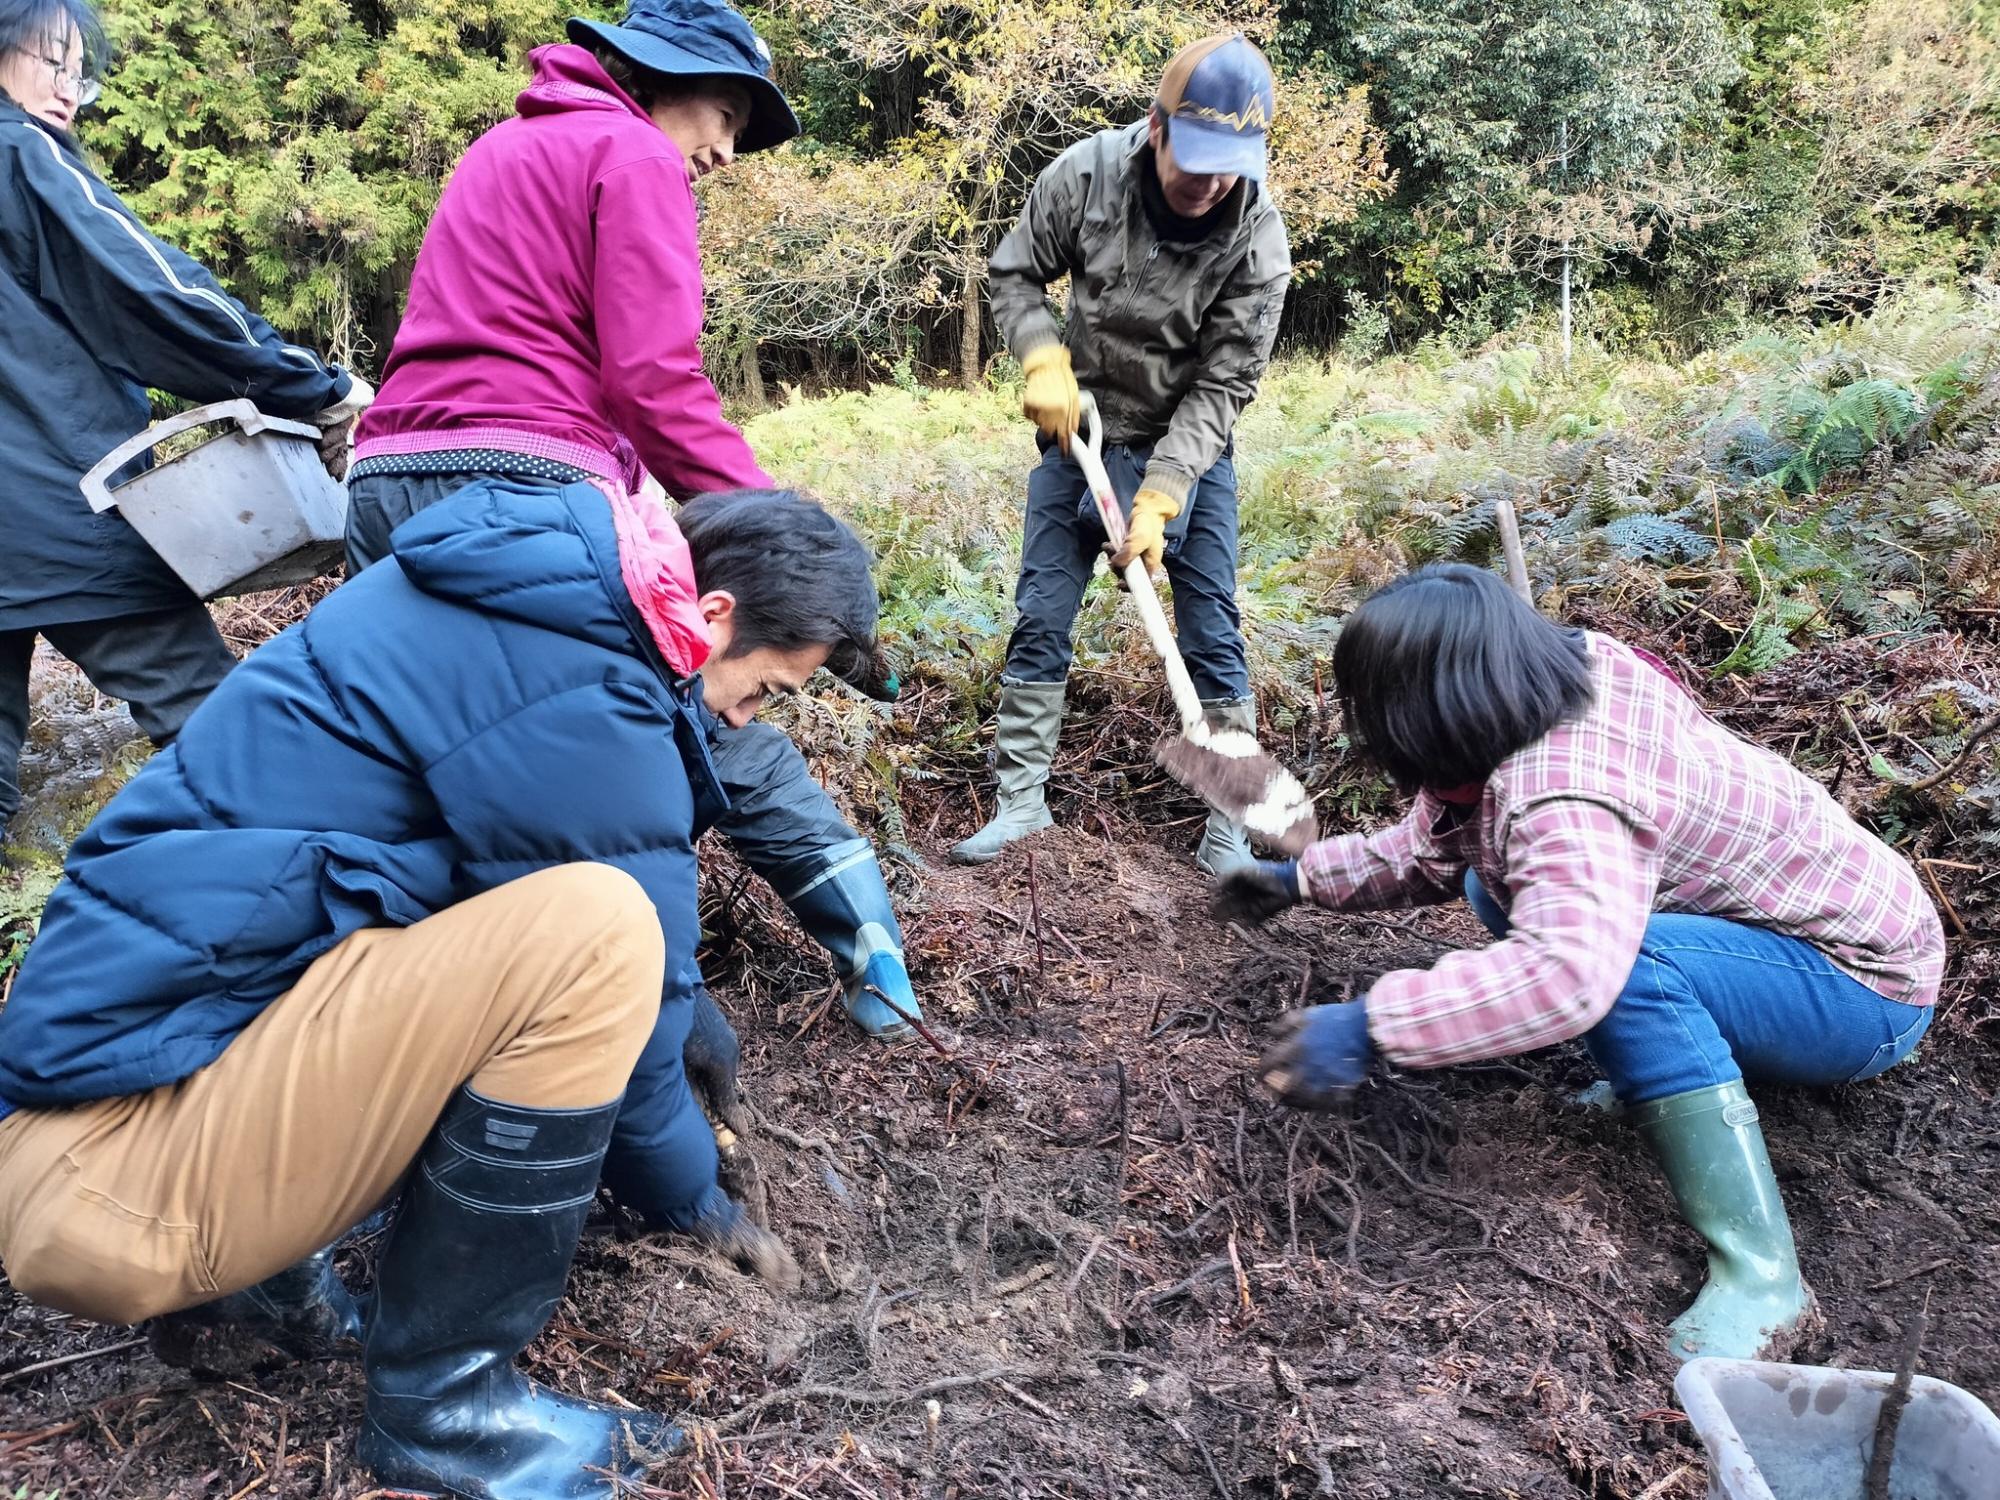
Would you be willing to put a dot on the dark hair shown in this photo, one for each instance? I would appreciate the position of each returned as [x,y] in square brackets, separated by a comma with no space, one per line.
[1446,672]
[799,575]
[27,25]
[649,88]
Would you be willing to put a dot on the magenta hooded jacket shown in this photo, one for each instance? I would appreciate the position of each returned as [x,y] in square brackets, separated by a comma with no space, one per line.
[556,305]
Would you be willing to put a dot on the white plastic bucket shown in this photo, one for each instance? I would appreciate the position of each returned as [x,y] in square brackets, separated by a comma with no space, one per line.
[1804,1432]
[251,508]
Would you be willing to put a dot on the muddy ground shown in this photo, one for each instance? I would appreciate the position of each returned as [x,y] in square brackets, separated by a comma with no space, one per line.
[1115,1267]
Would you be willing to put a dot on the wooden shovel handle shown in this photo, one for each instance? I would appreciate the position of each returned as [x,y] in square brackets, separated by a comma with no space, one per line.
[1086,447]
[1509,526]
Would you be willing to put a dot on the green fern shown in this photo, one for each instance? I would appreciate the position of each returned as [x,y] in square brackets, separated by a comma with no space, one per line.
[1762,646]
[1837,432]
[1645,537]
[1466,535]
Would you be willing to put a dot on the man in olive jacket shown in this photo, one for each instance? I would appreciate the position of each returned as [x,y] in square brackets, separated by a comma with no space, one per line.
[1178,266]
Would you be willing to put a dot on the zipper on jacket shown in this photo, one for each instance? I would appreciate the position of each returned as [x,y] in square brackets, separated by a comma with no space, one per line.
[1138,278]
[1134,281]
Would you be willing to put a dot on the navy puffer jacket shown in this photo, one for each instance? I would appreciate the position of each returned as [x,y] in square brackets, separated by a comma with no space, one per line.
[486,704]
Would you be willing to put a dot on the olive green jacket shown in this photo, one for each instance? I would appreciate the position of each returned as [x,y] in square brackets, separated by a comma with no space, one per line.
[1170,338]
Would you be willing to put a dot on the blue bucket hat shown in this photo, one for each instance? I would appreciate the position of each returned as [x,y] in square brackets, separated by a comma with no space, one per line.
[1220,99]
[699,38]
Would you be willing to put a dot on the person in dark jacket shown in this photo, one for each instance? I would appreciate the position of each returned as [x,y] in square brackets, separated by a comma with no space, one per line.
[553,332]
[1177,265]
[96,311]
[414,893]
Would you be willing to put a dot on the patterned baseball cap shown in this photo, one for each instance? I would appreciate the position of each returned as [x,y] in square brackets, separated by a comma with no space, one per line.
[1220,99]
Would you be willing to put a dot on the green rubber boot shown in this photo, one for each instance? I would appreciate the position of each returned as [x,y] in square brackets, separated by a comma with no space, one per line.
[1713,1152]
[1225,846]
[1024,742]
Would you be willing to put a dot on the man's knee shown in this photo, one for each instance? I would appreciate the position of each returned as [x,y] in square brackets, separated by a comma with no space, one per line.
[1038,654]
[601,911]
[1219,669]
[579,976]
[118,1269]
[606,898]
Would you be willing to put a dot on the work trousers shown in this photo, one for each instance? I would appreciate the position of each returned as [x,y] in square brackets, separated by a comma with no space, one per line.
[1061,538]
[540,993]
[162,664]
[1710,1001]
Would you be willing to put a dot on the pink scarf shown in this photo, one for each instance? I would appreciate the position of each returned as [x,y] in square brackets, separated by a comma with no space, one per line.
[658,570]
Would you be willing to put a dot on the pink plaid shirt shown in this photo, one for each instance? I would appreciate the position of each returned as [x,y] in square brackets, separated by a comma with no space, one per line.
[1643,805]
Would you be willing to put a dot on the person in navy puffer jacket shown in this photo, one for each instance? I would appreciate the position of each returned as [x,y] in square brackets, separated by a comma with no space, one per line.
[412,900]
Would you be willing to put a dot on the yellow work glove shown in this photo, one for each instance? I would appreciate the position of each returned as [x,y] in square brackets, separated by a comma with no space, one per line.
[1051,402]
[1146,532]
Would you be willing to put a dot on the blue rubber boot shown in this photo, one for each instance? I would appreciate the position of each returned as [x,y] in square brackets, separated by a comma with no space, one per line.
[840,899]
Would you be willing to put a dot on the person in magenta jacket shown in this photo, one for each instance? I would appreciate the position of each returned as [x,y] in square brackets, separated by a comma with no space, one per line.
[553,335]
[555,311]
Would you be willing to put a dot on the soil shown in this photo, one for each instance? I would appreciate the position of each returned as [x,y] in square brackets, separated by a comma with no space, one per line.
[1115,1266]
[1084,1255]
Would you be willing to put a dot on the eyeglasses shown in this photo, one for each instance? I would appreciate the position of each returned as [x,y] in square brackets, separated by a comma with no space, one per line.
[82,85]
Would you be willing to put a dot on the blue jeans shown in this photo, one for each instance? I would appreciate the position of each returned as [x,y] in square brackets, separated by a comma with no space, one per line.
[1061,538]
[1712,1001]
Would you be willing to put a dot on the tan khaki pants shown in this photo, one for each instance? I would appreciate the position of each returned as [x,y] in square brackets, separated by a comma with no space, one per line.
[540,993]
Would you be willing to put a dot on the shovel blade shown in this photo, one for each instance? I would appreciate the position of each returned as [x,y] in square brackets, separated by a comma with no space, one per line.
[1228,771]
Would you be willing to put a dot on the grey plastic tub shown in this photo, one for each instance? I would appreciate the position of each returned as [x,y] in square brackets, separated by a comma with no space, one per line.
[251,508]
[1803,1432]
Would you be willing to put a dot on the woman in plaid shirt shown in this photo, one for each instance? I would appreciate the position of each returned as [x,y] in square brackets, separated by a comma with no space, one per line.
[1692,906]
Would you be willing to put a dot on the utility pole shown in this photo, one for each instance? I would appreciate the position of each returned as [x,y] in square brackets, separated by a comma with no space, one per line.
[1566,250]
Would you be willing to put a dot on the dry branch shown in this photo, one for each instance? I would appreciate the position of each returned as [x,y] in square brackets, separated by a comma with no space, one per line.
[853,1396]
[1890,1419]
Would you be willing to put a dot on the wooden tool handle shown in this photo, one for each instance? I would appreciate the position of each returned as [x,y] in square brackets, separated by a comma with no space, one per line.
[1510,547]
[1086,448]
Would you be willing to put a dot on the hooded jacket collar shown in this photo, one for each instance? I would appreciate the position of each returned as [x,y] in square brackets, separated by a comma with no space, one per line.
[568,79]
[548,557]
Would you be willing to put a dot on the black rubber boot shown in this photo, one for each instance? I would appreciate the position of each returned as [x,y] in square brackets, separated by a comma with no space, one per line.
[303,1312]
[472,1271]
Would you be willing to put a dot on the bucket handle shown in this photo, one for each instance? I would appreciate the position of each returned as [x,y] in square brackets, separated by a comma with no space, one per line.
[242,411]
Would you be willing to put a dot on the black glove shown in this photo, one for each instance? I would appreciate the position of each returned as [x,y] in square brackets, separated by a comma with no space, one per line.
[722,1225]
[710,1057]
[1255,893]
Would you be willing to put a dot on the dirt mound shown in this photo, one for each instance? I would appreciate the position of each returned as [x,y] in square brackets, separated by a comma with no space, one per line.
[1114,1266]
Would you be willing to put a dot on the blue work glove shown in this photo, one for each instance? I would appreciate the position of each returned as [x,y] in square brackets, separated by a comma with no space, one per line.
[1256,892]
[1318,1055]
[710,1057]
